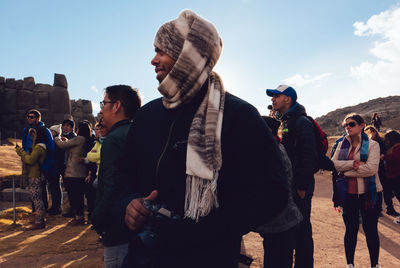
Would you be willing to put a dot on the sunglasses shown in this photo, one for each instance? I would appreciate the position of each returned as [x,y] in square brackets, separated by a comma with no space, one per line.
[30,116]
[351,124]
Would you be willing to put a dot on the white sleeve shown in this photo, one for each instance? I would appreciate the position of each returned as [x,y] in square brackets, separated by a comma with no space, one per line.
[370,168]
[341,165]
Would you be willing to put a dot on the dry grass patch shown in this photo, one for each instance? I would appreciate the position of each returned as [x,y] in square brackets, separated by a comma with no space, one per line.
[6,217]
[10,163]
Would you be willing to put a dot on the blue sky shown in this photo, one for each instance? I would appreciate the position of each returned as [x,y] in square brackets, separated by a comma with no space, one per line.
[334,53]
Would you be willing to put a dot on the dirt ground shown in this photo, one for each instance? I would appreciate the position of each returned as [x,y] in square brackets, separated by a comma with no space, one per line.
[61,245]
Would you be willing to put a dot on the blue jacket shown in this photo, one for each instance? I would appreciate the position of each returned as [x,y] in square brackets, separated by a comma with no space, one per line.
[47,165]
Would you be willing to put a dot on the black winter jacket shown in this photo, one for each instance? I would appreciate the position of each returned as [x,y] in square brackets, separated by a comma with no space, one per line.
[251,185]
[299,141]
[108,214]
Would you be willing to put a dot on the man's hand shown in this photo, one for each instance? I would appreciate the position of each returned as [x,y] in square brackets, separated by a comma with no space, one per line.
[87,179]
[301,193]
[136,214]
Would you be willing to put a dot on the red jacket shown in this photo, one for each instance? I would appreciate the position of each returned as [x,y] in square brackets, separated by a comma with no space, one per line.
[392,162]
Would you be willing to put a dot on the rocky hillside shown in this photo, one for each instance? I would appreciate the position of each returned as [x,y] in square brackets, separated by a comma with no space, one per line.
[388,109]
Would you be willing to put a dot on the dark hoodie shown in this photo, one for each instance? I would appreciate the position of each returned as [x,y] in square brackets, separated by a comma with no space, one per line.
[299,141]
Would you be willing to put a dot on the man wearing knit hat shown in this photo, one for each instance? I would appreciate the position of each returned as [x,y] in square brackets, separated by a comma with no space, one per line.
[206,169]
[298,137]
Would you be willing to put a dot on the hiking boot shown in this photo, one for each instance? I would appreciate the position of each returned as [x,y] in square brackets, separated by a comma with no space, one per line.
[77,222]
[35,226]
[397,221]
[376,266]
[392,212]
[350,266]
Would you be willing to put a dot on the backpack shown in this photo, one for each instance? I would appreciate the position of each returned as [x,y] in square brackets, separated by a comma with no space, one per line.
[321,143]
[321,137]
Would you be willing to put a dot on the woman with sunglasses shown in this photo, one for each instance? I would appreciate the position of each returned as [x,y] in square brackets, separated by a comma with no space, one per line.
[357,160]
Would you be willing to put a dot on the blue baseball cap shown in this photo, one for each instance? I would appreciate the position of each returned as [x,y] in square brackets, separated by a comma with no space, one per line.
[283,89]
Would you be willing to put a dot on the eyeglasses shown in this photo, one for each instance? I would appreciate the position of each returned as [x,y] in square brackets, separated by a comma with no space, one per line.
[103,103]
[30,116]
[351,124]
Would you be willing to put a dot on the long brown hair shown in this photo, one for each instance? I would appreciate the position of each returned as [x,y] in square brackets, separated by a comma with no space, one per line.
[391,138]
[378,137]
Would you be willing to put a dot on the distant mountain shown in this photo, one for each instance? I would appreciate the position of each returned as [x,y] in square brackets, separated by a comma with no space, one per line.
[387,108]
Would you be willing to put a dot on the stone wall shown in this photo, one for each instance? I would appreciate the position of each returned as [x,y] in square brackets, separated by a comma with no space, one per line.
[53,102]
[82,110]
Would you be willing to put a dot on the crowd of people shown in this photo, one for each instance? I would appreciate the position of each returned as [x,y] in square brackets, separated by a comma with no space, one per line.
[179,181]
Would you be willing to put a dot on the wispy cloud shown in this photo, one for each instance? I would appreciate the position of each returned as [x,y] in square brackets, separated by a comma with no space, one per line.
[302,80]
[94,88]
[385,29]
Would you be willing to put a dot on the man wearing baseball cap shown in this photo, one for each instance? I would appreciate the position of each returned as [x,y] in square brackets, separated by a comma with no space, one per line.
[204,158]
[299,140]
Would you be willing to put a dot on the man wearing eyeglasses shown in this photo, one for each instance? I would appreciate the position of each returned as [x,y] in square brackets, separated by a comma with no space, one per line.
[33,118]
[117,111]
[299,141]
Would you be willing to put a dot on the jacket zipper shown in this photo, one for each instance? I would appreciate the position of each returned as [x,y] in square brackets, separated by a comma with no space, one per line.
[163,152]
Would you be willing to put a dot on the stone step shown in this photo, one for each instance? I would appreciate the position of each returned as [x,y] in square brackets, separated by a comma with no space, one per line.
[21,195]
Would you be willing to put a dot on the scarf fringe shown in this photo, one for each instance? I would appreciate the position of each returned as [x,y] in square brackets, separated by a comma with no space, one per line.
[200,197]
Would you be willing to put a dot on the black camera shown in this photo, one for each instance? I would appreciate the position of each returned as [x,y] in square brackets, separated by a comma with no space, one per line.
[150,237]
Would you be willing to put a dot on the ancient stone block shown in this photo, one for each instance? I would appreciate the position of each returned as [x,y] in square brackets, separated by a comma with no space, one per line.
[29,83]
[59,117]
[10,83]
[19,84]
[59,100]
[1,97]
[47,116]
[2,80]
[42,99]
[87,107]
[9,101]
[13,122]
[25,99]
[20,117]
[60,81]
[42,87]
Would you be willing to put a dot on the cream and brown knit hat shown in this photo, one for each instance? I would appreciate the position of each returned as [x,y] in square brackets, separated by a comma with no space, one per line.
[195,45]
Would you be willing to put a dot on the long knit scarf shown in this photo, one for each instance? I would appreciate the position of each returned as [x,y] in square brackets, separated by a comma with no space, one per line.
[204,158]
[201,47]
[369,182]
